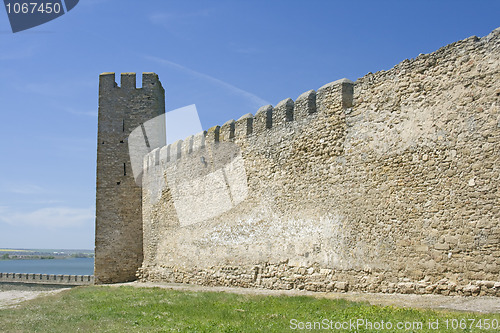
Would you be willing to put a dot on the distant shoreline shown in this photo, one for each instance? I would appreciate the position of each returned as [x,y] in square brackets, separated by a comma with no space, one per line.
[40,254]
[43,258]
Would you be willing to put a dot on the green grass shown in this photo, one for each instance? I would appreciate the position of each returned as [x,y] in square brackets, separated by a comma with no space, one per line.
[128,309]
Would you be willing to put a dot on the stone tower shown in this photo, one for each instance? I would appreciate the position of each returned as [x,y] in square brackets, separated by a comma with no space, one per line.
[118,241]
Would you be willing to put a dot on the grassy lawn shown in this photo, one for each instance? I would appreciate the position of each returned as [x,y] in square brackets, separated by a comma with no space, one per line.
[128,309]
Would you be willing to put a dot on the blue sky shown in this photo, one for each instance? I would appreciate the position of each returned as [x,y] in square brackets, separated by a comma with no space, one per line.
[227,57]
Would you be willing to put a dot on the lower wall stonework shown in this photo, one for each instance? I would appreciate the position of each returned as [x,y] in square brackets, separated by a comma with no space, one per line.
[284,277]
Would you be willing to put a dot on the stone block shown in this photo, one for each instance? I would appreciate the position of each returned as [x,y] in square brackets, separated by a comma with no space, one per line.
[334,97]
[175,150]
[227,131]
[199,141]
[263,119]
[212,136]
[187,145]
[304,105]
[283,112]
[244,126]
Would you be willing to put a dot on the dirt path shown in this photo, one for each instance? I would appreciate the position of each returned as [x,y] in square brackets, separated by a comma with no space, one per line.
[12,295]
[482,304]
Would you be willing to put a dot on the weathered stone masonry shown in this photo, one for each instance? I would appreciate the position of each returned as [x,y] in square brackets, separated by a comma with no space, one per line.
[118,241]
[388,184]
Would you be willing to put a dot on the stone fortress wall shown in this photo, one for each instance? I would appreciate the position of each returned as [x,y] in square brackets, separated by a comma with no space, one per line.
[388,184]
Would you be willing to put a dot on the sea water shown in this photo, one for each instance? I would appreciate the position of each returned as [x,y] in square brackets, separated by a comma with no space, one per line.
[70,266]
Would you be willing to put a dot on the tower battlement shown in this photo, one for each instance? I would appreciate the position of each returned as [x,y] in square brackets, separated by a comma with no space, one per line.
[150,81]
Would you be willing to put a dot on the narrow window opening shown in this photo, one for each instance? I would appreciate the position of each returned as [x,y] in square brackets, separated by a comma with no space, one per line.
[121,141]
[117,183]
[124,169]
[123,125]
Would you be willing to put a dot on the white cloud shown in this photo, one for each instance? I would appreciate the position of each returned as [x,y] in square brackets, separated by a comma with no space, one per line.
[247,50]
[171,19]
[92,2]
[52,217]
[44,202]
[20,187]
[55,88]
[12,53]
[232,89]
[91,113]
[25,189]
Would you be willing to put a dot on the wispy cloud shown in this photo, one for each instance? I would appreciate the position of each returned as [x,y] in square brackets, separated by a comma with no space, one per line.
[21,188]
[43,202]
[92,2]
[91,113]
[247,50]
[229,87]
[52,217]
[20,53]
[174,19]
[55,88]
[26,189]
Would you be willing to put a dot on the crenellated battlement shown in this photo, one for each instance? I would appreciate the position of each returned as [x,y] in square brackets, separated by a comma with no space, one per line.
[330,99]
[150,81]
